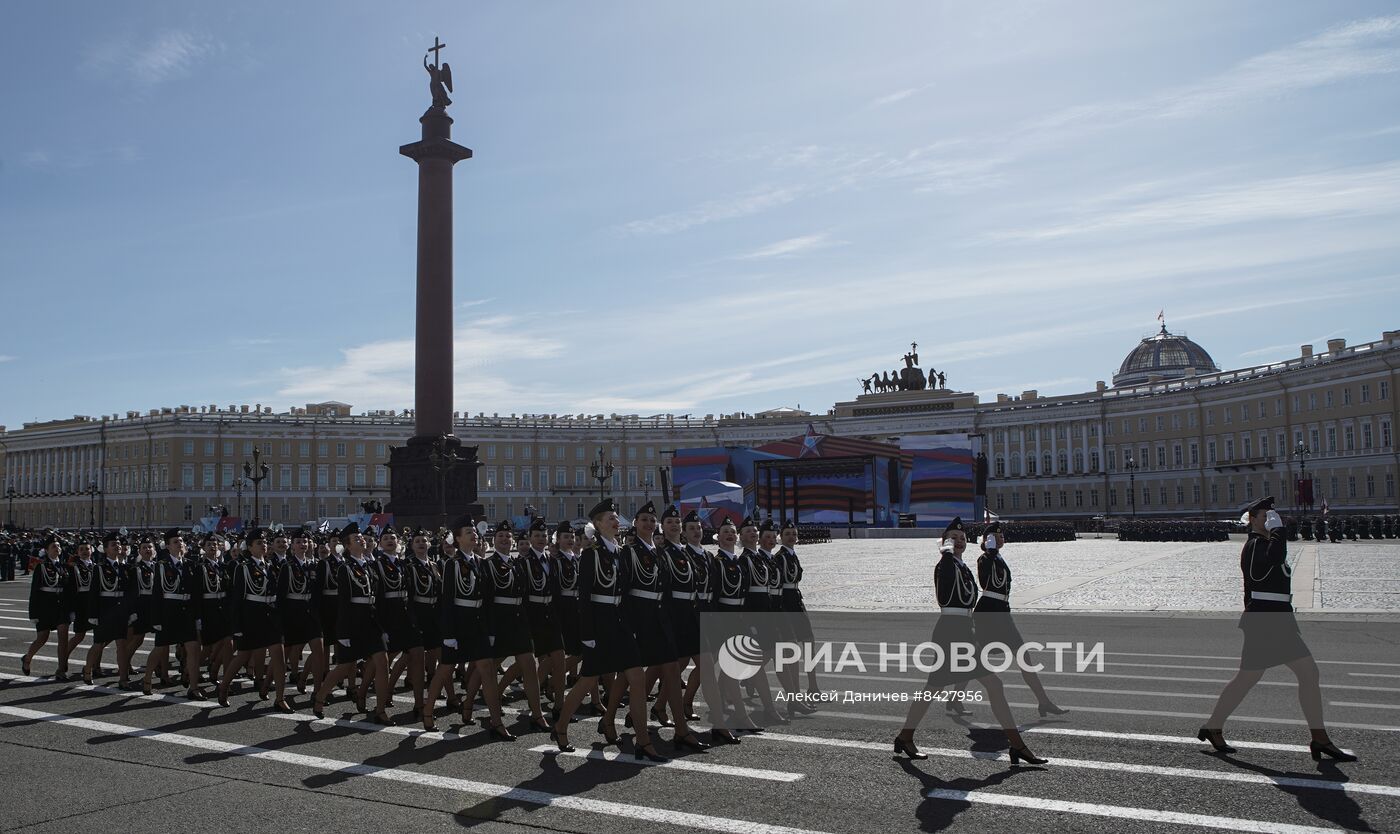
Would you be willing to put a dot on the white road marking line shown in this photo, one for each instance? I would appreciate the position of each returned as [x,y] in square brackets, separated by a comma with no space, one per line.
[1191,740]
[405,776]
[429,737]
[673,764]
[1360,705]
[1371,675]
[1091,710]
[1098,675]
[1090,764]
[16,619]
[1123,812]
[1233,659]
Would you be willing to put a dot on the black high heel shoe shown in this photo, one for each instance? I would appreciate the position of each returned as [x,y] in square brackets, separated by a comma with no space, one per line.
[661,719]
[1048,708]
[318,707]
[562,740]
[87,677]
[541,724]
[648,752]
[609,733]
[1332,751]
[282,706]
[718,737]
[499,732]
[25,666]
[907,747]
[690,741]
[1020,754]
[381,718]
[1216,739]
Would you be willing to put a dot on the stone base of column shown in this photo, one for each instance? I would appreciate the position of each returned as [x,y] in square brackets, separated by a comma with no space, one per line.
[416,488]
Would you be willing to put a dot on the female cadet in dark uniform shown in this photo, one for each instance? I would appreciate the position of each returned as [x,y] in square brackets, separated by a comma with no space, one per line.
[1271,634]
[109,604]
[46,609]
[650,585]
[143,580]
[176,615]
[757,600]
[609,645]
[391,606]
[992,616]
[730,578]
[77,586]
[214,631]
[956,590]
[790,569]
[509,628]
[328,567]
[783,630]
[358,632]
[565,562]
[702,677]
[299,599]
[680,613]
[256,623]
[546,634]
[424,589]
[465,637]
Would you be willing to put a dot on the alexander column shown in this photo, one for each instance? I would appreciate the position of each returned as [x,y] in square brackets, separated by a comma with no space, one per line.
[433,477]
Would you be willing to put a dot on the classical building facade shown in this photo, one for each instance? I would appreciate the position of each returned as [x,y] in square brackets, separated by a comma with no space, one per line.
[1174,437]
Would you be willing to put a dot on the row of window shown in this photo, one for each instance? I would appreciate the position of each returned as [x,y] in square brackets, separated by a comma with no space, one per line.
[1336,489]
[560,452]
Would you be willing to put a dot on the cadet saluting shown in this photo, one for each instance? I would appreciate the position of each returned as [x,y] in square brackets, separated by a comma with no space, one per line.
[1271,634]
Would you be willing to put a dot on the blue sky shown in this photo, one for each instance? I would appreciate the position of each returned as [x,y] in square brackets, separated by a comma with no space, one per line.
[690,208]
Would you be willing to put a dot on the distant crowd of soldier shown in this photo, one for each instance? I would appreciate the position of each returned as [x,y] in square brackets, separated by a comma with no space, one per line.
[1174,530]
[1028,531]
[1350,527]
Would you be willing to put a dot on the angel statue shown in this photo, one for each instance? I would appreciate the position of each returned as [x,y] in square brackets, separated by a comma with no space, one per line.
[439,77]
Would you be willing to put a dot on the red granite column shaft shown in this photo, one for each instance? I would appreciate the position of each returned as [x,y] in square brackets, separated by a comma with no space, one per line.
[433,353]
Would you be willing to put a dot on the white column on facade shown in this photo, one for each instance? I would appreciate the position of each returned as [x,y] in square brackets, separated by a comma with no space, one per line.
[1021,432]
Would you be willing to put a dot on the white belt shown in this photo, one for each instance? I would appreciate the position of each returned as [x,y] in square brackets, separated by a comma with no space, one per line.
[330,592]
[49,590]
[111,593]
[1271,597]
[993,595]
[298,596]
[605,599]
[685,595]
[425,600]
[573,593]
[637,592]
[467,603]
[362,600]
[960,612]
[758,589]
[256,598]
[728,601]
[215,595]
[147,593]
[178,597]
[395,594]
[775,591]
[542,598]
[789,584]
[506,600]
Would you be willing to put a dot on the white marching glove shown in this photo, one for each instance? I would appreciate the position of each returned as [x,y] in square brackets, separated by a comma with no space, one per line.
[238,634]
[451,644]
[343,642]
[34,622]
[92,620]
[198,625]
[591,644]
[131,619]
[491,641]
[386,638]
[1272,520]
[157,628]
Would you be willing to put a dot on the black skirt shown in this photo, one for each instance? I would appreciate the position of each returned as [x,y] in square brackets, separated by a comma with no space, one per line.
[684,618]
[545,634]
[300,625]
[951,630]
[511,631]
[614,645]
[176,626]
[145,614]
[329,611]
[260,628]
[468,627]
[403,633]
[425,619]
[566,611]
[112,622]
[1271,638]
[363,646]
[652,630]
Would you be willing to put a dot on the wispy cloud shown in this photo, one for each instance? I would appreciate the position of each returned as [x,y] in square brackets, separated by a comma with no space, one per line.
[792,246]
[6,358]
[899,95]
[1350,192]
[161,57]
[81,157]
[729,208]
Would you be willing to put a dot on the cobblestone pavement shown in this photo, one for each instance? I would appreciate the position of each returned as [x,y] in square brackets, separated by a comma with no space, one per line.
[1104,574]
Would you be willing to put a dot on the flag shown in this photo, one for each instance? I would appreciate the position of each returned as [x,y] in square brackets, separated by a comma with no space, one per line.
[1161,315]
[1324,506]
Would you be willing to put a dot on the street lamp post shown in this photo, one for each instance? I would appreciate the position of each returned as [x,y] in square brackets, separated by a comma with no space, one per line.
[1132,466]
[647,484]
[256,472]
[10,496]
[92,505]
[1302,453]
[238,486]
[602,470]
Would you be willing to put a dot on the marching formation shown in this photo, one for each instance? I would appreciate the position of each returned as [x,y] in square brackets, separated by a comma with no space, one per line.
[582,621]
[573,617]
